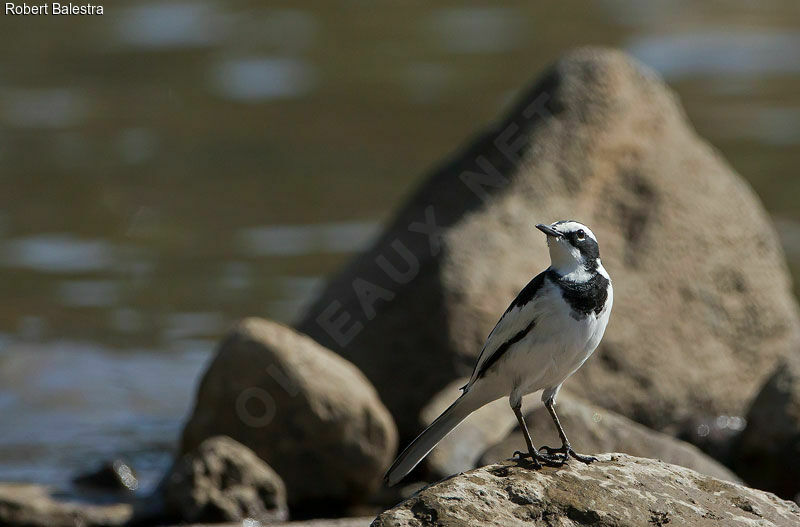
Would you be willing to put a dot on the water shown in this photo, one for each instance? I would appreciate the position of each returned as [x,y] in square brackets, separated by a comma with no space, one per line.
[68,405]
[172,166]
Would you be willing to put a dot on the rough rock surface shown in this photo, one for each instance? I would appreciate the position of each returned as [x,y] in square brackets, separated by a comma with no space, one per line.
[768,452]
[702,305]
[26,505]
[362,521]
[591,429]
[336,522]
[311,415]
[223,480]
[618,490]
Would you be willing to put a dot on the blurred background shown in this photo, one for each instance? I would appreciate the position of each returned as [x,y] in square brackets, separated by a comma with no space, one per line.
[170,167]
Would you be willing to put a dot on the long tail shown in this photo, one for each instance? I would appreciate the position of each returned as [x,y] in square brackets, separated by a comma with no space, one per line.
[430,437]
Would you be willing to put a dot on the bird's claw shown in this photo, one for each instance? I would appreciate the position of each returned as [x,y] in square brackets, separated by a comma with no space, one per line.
[566,451]
[522,455]
[583,459]
[538,459]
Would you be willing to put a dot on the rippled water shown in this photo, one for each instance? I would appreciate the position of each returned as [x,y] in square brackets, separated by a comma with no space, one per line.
[172,166]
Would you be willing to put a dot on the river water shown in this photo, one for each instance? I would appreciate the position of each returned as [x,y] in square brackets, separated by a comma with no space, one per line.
[170,167]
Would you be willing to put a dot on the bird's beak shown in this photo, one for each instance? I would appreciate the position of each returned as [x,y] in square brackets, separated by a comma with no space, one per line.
[549,231]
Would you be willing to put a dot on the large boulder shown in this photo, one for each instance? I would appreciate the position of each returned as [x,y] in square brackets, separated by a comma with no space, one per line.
[223,481]
[703,306]
[618,490]
[593,429]
[767,454]
[311,415]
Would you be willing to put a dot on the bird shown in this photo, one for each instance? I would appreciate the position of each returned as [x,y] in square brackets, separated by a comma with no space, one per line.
[544,336]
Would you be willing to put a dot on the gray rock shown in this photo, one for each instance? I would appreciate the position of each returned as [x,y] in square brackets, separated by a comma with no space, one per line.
[715,435]
[767,454]
[336,522]
[363,521]
[311,415]
[618,490]
[223,480]
[26,505]
[592,429]
[703,306]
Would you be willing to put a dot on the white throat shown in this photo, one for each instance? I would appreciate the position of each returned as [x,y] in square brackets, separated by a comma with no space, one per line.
[568,262]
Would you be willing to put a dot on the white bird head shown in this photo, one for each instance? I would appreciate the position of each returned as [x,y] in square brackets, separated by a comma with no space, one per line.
[574,252]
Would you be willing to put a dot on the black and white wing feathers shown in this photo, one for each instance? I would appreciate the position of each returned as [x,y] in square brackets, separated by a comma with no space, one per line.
[518,319]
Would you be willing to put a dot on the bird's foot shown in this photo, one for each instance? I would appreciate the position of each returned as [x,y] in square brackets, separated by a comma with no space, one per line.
[566,451]
[538,459]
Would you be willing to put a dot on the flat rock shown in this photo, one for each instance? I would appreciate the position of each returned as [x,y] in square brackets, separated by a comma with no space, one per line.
[310,414]
[592,429]
[28,505]
[222,480]
[703,306]
[618,490]
[767,454]
[335,522]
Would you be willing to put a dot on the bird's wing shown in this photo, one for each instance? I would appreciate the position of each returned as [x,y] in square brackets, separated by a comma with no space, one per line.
[515,323]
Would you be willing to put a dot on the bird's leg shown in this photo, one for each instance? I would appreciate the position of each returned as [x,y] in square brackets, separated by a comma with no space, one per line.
[537,458]
[566,448]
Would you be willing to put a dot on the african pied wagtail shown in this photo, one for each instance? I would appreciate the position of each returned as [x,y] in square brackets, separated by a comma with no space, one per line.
[545,335]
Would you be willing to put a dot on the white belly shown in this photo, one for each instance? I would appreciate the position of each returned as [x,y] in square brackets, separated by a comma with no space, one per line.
[558,345]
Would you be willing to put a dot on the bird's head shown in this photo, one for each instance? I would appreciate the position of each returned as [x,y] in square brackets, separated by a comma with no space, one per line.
[574,252]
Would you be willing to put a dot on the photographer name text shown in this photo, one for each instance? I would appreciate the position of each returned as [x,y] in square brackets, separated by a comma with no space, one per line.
[53,8]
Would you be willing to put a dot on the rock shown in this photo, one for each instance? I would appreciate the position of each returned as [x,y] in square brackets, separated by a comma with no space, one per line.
[767,454]
[592,429]
[714,435]
[363,521]
[27,505]
[223,480]
[335,522]
[618,490]
[702,305]
[113,475]
[311,415]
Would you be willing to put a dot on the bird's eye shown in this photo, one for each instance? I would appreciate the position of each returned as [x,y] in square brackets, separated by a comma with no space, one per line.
[580,234]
